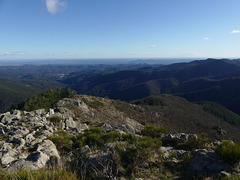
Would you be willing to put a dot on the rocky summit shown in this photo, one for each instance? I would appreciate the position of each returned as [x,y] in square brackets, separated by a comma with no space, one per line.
[94,137]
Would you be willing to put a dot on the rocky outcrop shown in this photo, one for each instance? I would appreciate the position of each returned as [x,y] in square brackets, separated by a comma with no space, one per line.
[205,164]
[25,143]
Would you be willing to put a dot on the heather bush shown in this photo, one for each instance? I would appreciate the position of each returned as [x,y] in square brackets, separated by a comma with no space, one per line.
[154,131]
[229,151]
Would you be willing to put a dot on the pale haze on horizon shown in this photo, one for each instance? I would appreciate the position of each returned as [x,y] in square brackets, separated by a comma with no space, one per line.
[42,29]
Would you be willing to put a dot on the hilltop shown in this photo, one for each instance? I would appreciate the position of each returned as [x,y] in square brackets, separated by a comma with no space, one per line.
[156,137]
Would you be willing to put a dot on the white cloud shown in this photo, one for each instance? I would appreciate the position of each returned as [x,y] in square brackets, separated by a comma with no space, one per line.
[235,31]
[206,38]
[54,6]
[152,46]
[12,53]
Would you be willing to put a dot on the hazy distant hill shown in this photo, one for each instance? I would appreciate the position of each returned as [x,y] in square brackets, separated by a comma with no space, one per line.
[209,80]
[13,92]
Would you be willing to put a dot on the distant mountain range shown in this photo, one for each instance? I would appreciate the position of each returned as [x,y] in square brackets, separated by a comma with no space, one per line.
[215,80]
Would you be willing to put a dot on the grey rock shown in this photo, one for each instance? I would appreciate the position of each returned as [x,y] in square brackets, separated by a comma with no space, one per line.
[17,114]
[166,151]
[85,149]
[29,138]
[224,174]
[21,132]
[6,146]
[82,127]
[22,164]
[39,112]
[126,128]
[6,119]
[2,132]
[51,112]
[39,158]
[174,139]
[205,163]
[49,148]
[107,127]
[81,105]
[70,123]
[9,157]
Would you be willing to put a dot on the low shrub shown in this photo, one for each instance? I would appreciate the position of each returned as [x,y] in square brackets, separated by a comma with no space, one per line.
[229,151]
[63,141]
[135,154]
[37,134]
[111,136]
[55,119]
[201,142]
[154,131]
[95,138]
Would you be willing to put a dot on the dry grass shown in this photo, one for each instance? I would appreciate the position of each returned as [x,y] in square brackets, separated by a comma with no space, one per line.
[42,174]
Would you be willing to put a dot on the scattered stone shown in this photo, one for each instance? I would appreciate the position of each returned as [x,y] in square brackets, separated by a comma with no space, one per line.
[224,174]
[39,112]
[126,128]
[107,127]
[2,132]
[85,149]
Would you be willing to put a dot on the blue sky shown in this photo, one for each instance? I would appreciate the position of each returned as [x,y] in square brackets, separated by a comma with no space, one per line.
[42,29]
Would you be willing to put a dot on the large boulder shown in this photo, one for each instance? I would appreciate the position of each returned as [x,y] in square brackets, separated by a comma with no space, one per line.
[173,139]
[49,148]
[127,128]
[39,159]
[205,164]
[70,123]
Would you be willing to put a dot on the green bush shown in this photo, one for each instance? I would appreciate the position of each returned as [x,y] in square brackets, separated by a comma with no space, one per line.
[45,100]
[131,139]
[63,141]
[90,137]
[95,138]
[37,134]
[153,131]
[201,142]
[93,103]
[229,151]
[111,136]
[135,153]
[55,119]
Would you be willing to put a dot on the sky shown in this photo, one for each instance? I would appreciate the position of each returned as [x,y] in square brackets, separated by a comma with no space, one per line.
[79,29]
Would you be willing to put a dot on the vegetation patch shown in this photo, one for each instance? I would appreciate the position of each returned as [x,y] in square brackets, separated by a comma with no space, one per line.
[222,112]
[55,119]
[229,151]
[151,101]
[154,131]
[63,141]
[41,174]
[45,100]
[93,103]
[95,138]
[199,142]
[37,134]
[137,154]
